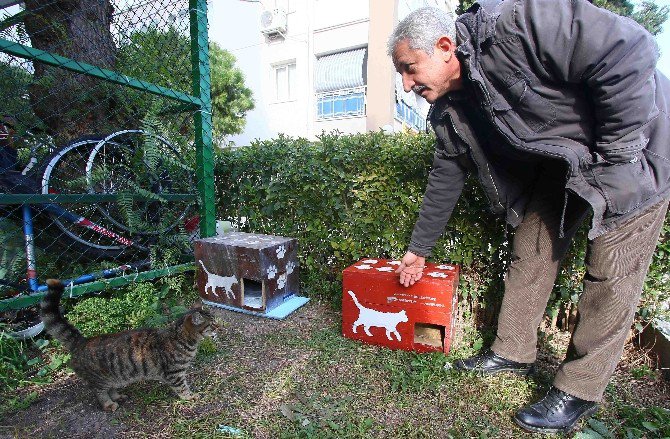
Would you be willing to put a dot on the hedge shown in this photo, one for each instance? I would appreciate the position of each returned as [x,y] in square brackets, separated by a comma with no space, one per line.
[346,197]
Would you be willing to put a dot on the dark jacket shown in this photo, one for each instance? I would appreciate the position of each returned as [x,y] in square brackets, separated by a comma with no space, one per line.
[560,81]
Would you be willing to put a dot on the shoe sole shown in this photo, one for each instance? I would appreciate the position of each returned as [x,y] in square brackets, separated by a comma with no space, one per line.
[520,372]
[590,412]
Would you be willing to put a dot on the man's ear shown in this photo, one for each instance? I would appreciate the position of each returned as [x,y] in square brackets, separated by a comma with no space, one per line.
[446,47]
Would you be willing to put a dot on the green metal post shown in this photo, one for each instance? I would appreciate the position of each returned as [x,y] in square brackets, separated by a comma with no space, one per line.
[203,116]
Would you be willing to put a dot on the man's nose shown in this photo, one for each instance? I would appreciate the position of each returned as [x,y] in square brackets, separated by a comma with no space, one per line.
[407,83]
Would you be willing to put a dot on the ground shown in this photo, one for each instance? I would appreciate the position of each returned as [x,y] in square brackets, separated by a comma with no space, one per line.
[262,378]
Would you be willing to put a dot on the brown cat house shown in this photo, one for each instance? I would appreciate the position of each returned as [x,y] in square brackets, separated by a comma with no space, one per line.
[249,272]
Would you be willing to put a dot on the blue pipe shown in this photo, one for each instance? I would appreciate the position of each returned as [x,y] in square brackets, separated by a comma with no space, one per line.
[104,274]
[29,237]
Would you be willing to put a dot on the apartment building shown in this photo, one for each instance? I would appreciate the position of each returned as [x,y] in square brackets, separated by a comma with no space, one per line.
[324,67]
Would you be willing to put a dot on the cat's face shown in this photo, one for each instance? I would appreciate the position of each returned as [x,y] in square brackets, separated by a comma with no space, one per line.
[201,321]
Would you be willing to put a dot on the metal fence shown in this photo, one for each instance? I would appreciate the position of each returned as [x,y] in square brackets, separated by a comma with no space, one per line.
[106,170]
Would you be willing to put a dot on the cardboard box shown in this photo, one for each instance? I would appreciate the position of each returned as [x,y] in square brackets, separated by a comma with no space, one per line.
[376,309]
[248,271]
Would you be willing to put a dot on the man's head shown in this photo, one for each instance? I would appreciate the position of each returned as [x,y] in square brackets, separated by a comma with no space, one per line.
[422,47]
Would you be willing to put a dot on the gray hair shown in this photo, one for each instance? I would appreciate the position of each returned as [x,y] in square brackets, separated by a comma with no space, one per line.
[422,28]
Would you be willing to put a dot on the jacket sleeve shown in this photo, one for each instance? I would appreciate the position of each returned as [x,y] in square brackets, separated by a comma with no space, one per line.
[445,184]
[613,57]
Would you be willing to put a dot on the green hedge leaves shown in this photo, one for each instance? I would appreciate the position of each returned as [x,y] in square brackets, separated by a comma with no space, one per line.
[345,197]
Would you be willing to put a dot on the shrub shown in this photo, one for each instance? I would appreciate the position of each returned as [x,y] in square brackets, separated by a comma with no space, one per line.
[345,197]
[125,309]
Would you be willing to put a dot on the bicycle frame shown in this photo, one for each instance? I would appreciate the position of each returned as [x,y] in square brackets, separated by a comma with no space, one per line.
[31,271]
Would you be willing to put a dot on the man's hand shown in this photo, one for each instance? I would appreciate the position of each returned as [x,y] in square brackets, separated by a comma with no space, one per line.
[411,268]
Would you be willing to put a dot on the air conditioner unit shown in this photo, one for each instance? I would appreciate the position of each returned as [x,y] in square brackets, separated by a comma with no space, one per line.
[273,21]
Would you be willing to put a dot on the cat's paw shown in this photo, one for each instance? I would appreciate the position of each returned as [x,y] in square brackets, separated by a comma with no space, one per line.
[188,396]
[110,406]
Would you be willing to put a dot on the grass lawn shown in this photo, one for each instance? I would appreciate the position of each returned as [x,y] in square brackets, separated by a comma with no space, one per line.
[300,378]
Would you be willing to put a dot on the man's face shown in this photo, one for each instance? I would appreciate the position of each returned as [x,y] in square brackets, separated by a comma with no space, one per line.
[430,76]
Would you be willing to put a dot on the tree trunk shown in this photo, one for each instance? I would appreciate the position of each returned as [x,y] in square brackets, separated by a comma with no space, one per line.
[71,104]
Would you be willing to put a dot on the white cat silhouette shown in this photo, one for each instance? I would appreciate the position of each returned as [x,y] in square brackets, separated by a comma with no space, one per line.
[215,281]
[370,317]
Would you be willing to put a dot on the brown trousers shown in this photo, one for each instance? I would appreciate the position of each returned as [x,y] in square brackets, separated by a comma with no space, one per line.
[616,265]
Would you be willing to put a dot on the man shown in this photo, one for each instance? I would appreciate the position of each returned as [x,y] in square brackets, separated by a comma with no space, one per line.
[557,107]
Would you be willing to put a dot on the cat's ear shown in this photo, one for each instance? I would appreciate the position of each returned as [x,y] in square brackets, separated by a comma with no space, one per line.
[197,319]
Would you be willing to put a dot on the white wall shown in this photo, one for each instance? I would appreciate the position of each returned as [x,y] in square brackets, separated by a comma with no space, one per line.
[351,125]
[234,25]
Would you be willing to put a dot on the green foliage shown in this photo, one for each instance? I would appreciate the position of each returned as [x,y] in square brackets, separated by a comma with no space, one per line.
[349,197]
[648,13]
[651,16]
[657,282]
[125,309]
[327,194]
[231,100]
[14,361]
[163,56]
[145,304]
[314,417]
[419,373]
[24,362]
[14,86]
[632,423]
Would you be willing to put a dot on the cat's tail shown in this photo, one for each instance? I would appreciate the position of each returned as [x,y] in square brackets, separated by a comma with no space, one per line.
[203,266]
[55,323]
[353,296]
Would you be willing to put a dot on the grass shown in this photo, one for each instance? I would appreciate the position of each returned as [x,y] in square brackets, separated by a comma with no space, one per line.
[299,378]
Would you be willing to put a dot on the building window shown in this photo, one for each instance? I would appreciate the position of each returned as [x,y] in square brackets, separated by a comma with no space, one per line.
[339,83]
[410,116]
[407,107]
[341,103]
[284,81]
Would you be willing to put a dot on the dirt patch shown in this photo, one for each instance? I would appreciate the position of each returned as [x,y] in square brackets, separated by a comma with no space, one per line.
[298,376]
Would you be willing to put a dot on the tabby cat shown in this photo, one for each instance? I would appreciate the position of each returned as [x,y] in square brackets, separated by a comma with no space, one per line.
[112,361]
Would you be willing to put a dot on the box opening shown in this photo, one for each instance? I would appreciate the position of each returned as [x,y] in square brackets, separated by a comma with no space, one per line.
[253,294]
[429,334]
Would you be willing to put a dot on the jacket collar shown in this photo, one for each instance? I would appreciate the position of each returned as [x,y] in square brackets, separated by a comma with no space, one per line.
[478,24]
[474,28]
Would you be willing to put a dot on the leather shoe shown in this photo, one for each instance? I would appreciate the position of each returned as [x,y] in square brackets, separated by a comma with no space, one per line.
[489,363]
[557,412]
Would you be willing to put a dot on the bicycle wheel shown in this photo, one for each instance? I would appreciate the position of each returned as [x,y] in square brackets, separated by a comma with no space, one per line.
[84,228]
[21,324]
[136,162]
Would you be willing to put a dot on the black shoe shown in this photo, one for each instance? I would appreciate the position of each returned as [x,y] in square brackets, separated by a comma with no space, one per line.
[489,363]
[557,412]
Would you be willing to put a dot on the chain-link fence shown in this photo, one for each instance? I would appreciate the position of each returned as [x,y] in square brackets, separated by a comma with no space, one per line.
[105,142]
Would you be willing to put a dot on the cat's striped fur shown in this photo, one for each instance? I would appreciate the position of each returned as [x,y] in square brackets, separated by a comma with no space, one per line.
[112,361]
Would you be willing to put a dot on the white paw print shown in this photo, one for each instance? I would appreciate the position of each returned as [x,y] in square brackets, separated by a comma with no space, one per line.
[370,261]
[290,267]
[437,274]
[363,267]
[445,267]
[272,271]
[385,269]
[281,281]
[394,263]
[281,251]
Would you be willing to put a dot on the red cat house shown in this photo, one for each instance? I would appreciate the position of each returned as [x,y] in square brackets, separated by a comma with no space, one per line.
[376,309]
[247,272]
